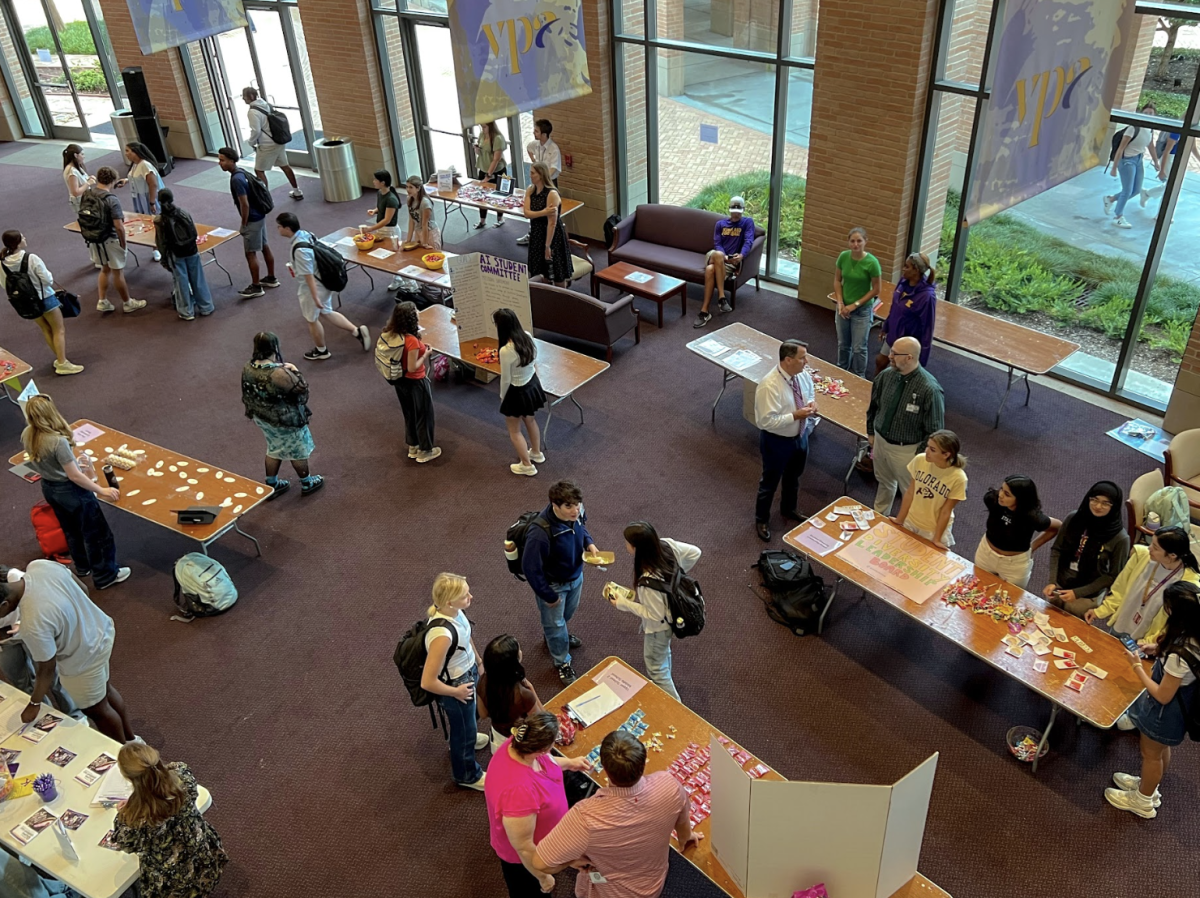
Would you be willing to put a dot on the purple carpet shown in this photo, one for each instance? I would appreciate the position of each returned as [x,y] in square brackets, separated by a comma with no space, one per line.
[327,782]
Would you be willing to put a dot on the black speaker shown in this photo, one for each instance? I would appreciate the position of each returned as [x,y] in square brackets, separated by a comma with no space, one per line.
[135,89]
[154,137]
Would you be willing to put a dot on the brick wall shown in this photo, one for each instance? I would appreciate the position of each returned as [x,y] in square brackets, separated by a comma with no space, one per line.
[874,188]
[345,70]
[1183,411]
[636,170]
[1133,73]
[583,129]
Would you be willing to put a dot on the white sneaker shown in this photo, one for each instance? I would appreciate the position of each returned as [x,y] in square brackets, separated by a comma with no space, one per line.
[423,457]
[1130,783]
[1121,222]
[538,457]
[364,337]
[67,367]
[296,193]
[481,741]
[523,470]
[477,785]
[1133,801]
[397,281]
[413,451]
[122,576]
[1109,202]
[105,306]
[157,256]
[133,305]
[1145,196]
[1124,723]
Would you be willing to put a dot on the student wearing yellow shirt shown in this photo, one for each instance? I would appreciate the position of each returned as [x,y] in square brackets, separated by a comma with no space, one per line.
[938,484]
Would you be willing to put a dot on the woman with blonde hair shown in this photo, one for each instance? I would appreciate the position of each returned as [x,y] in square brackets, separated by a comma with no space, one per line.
[451,673]
[421,228]
[180,852]
[938,484]
[489,162]
[71,492]
[549,252]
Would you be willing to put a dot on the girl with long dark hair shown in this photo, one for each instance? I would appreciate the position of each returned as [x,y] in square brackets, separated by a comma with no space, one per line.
[505,694]
[143,178]
[175,237]
[521,392]
[1160,713]
[1015,518]
[400,356]
[655,559]
[1089,551]
[13,258]
[75,175]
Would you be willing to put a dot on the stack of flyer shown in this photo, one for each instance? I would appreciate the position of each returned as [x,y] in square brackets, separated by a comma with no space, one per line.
[113,789]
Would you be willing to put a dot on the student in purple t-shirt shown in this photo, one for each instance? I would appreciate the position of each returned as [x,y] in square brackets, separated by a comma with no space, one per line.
[526,799]
[732,239]
[914,309]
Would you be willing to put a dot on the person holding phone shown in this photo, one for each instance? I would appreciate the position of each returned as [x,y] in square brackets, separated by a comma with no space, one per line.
[1160,713]
[1089,551]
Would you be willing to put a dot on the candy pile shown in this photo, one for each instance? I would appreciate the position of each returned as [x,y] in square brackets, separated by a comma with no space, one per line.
[968,592]
[490,356]
[691,770]
[480,195]
[827,385]
[1025,750]
[6,369]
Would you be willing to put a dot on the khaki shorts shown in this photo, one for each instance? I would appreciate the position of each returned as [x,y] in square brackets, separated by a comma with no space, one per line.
[109,254]
[87,689]
[269,155]
[731,268]
[313,309]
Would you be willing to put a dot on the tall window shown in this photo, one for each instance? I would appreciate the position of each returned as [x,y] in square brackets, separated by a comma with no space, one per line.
[714,100]
[1127,290]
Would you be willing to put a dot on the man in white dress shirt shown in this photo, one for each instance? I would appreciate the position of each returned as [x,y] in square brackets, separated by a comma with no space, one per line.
[543,149]
[785,411]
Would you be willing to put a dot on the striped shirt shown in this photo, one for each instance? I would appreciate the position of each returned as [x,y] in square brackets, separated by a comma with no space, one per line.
[624,833]
[906,408]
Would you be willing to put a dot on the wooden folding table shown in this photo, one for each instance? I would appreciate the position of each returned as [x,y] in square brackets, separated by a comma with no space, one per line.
[1101,702]
[474,194]
[394,264]
[12,368]
[139,231]
[662,713]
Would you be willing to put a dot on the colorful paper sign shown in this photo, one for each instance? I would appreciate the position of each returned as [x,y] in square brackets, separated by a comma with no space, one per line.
[900,561]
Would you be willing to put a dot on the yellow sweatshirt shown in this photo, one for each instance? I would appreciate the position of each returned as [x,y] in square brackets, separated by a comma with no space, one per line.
[1139,559]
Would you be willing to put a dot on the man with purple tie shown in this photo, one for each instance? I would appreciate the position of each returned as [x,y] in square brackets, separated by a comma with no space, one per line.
[785,411]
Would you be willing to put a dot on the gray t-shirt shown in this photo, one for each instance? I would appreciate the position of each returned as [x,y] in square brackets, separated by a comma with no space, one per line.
[59,621]
[51,467]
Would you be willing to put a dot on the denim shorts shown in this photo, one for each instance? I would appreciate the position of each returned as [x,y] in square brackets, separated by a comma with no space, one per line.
[50,302]
[1164,724]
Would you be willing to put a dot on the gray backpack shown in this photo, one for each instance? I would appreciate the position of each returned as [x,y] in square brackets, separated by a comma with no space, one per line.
[1170,506]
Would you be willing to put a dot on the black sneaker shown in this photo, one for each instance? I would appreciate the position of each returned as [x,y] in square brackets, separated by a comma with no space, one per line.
[316,355]
[314,484]
[271,281]
[574,642]
[252,292]
[702,319]
[566,673]
[281,487]
[723,305]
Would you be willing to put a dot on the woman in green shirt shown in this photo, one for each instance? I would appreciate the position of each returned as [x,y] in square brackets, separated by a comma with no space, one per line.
[489,159]
[387,207]
[855,287]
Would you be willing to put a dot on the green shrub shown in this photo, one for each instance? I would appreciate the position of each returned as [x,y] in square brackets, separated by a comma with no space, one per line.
[1178,53]
[76,39]
[1173,337]
[1169,105]
[755,187]
[89,81]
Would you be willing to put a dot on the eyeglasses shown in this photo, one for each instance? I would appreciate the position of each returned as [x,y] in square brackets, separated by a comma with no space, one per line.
[899,355]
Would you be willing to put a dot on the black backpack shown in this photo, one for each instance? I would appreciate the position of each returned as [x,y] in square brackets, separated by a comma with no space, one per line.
[610,228]
[798,596]
[181,232]
[1191,710]
[410,657]
[95,217]
[331,267]
[22,290]
[277,125]
[1116,141]
[515,536]
[685,602]
[258,197]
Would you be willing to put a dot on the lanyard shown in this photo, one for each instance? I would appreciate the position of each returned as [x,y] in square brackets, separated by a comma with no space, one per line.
[1148,594]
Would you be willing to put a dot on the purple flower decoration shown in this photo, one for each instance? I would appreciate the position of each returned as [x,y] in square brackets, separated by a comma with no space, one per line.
[43,783]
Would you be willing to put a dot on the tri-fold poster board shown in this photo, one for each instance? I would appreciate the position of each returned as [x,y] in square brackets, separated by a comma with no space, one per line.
[483,284]
[775,837]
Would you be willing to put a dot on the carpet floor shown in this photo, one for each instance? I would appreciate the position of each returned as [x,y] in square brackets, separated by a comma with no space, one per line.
[326,781]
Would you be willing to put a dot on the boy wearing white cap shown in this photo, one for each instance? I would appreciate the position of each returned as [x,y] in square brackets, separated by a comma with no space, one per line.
[732,239]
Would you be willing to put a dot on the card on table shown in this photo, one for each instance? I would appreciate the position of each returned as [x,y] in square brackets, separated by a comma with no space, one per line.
[1065,664]
[1063,653]
[61,757]
[1060,634]
[91,774]
[1076,681]
[28,831]
[42,728]
[1041,666]
[1040,648]
[1015,650]
[73,819]
[1098,672]
[1012,642]
[107,842]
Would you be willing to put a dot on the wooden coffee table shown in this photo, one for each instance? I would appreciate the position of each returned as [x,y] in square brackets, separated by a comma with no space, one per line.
[659,287]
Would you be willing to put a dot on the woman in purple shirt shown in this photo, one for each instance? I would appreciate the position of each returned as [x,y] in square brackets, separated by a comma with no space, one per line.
[914,308]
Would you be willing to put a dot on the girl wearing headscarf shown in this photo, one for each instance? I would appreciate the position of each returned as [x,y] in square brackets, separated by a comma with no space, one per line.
[1090,550]
[913,311]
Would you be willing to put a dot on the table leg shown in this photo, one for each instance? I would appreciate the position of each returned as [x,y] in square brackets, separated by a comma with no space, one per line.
[683,299]
[1045,735]
[726,377]
[1025,375]
[8,395]
[217,262]
[1004,398]
[257,547]
[367,272]
[824,611]
[129,251]
[661,303]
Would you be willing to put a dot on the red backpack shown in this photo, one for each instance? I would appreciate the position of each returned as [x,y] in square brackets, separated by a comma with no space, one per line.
[49,533]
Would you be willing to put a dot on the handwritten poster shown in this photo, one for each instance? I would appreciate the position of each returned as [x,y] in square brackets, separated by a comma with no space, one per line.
[898,560]
[484,283]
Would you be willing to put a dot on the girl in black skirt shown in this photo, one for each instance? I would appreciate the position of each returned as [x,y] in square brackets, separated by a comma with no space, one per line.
[520,390]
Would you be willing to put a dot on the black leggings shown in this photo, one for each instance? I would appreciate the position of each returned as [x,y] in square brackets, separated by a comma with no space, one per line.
[521,883]
[484,176]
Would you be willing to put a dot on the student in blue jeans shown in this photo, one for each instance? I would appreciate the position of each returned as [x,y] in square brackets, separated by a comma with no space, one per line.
[552,562]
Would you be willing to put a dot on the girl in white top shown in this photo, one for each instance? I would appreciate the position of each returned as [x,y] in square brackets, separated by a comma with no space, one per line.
[1159,712]
[658,559]
[456,690]
[50,322]
[521,394]
[143,178]
[75,176]
[938,484]
[1127,164]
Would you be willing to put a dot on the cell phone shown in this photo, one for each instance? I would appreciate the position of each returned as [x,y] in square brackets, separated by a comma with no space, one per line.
[31,476]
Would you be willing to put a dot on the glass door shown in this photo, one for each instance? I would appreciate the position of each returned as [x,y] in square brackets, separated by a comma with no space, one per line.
[45,60]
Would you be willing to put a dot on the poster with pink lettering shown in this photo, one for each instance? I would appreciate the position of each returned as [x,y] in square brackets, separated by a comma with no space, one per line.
[897,559]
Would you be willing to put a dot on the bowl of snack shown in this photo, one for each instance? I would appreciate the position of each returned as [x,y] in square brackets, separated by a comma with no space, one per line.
[364,242]
[433,261]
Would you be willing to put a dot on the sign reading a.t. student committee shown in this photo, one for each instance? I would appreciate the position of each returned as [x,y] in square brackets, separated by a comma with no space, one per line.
[1057,67]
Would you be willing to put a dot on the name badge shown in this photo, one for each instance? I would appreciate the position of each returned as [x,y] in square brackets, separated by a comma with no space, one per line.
[1137,618]
[1074,565]
[596,876]
[912,408]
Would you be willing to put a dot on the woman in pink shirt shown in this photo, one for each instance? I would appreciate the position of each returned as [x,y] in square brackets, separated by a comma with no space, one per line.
[525,799]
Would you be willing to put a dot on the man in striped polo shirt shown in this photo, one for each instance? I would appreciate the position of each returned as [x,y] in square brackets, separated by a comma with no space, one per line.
[623,832]
[906,406]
